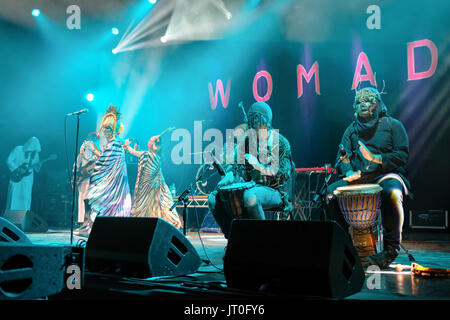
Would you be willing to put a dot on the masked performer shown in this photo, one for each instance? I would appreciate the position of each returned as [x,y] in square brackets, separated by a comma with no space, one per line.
[89,154]
[109,193]
[376,151]
[152,197]
[23,161]
[268,164]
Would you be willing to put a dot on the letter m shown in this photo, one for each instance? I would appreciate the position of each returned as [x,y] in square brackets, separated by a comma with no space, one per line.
[301,72]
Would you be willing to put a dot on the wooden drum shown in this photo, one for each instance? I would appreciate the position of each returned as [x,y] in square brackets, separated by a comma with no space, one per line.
[361,207]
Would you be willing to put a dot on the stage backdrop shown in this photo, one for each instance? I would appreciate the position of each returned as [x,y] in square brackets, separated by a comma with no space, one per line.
[307,75]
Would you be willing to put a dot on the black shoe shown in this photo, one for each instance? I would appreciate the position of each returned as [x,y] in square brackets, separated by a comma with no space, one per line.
[384,258]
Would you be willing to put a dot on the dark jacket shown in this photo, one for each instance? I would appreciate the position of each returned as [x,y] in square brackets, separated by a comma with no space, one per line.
[388,138]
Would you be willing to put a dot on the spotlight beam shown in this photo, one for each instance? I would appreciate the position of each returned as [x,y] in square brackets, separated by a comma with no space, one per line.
[149,43]
[147,25]
[150,31]
[126,31]
[432,120]
[221,6]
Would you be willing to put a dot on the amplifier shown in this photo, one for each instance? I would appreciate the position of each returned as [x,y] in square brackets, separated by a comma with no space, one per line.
[428,219]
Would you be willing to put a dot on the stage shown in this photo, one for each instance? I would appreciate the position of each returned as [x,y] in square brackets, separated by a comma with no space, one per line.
[279,115]
[208,283]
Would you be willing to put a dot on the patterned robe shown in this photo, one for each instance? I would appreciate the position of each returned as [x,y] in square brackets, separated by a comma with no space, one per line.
[152,197]
[109,193]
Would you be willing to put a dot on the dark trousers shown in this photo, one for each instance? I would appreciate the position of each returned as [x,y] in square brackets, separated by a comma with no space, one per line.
[391,209]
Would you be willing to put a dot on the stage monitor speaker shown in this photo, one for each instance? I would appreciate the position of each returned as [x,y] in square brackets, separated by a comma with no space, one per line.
[305,258]
[28,221]
[139,247]
[10,233]
[30,271]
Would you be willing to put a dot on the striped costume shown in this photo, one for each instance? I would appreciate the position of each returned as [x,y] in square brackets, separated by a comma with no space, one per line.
[152,196]
[109,193]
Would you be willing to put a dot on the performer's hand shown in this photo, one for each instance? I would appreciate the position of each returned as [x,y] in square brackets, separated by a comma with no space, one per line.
[227,179]
[352,175]
[252,160]
[126,145]
[369,155]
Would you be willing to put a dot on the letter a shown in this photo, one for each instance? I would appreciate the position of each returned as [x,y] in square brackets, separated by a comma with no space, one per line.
[73,21]
[74,280]
[374,280]
[358,77]
[373,21]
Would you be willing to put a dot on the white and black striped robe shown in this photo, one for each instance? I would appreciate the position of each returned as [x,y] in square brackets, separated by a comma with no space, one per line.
[152,197]
[109,192]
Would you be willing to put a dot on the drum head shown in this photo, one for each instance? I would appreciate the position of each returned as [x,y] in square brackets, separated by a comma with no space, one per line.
[209,178]
[358,189]
[239,185]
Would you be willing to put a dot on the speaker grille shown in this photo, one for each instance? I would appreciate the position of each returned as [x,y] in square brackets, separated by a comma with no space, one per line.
[23,266]
[10,234]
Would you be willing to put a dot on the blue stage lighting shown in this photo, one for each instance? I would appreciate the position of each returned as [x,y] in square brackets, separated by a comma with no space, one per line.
[115,31]
[152,1]
[89,97]
[35,12]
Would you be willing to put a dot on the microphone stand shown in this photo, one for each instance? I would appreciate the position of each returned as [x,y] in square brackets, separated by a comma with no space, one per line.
[321,195]
[184,198]
[74,180]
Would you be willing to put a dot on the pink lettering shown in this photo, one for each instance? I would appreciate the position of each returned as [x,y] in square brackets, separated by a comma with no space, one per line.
[358,77]
[412,74]
[268,78]
[301,72]
[225,97]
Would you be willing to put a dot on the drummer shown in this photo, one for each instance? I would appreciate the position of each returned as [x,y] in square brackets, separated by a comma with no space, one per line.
[376,150]
[271,175]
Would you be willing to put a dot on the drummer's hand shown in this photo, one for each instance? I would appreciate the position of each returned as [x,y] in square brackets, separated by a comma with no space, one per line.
[227,179]
[252,160]
[352,175]
[369,155]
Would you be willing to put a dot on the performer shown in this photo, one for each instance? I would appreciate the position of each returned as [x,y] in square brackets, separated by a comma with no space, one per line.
[152,197]
[23,161]
[271,178]
[376,151]
[109,193]
[86,159]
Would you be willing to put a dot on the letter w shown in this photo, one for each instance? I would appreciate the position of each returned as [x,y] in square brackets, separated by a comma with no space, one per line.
[219,89]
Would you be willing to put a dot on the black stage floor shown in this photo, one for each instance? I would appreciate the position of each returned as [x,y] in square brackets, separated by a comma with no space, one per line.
[397,283]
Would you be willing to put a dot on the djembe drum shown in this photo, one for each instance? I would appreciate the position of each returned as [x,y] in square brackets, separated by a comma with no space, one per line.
[361,207]
[232,197]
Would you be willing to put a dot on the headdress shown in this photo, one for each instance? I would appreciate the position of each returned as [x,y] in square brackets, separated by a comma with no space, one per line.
[111,119]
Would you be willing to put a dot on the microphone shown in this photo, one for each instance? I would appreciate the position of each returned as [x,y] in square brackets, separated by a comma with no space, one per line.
[241,105]
[342,150]
[77,113]
[217,165]
[344,156]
